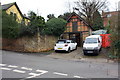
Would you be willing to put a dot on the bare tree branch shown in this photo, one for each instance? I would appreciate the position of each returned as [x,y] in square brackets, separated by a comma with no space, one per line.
[88,7]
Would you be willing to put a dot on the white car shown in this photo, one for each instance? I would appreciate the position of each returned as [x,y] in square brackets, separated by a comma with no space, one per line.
[65,45]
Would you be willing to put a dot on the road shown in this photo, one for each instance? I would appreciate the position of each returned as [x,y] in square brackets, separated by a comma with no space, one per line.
[37,65]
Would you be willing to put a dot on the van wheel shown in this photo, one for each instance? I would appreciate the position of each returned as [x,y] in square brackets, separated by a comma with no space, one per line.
[69,50]
[97,53]
[101,49]
[85,53]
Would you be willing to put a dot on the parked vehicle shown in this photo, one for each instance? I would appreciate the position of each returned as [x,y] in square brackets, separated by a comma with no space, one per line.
[92,44]
[65,45]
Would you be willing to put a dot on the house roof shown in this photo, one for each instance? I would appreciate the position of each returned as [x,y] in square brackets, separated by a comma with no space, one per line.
[7,6]
[74,14]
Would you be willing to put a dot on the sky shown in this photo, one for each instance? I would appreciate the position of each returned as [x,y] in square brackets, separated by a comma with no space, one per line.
[45,7]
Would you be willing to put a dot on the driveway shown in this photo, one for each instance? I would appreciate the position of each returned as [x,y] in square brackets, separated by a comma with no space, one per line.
[78,55]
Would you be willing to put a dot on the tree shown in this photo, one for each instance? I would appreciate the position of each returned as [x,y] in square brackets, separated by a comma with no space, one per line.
[37,24]
[10,27]
[65,16]
[55,26]
[97,21]
[32,15]
[50,16]
[87,8]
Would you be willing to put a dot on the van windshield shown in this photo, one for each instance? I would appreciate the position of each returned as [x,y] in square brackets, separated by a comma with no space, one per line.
[91,40]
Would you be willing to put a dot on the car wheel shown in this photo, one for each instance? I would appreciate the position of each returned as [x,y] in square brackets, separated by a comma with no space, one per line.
[56,51]
[69,50]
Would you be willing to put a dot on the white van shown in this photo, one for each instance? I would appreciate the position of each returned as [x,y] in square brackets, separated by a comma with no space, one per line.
[92,44]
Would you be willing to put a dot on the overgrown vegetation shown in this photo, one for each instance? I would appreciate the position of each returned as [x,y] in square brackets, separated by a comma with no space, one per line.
[10,27]
[55,26]
[37,24]
[114,30]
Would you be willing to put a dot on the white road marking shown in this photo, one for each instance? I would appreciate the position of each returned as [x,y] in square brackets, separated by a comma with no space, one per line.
[33,75]
[25,68]
[60,74]
[78,77]
[2,64]
[41,71]
[19,71]
[5,69]
[12,66]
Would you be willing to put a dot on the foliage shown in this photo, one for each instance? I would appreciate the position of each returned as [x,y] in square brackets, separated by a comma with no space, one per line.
[50,16]
[37,24]
[65,16]
[10,27]
[115,40]
[55,26]
[87,8]
[26,31]
[97,21]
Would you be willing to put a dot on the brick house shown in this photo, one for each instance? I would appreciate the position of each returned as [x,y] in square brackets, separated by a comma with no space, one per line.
[107,15]
[77,29]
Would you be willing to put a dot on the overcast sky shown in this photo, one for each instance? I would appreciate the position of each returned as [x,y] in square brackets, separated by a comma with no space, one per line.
[45,7]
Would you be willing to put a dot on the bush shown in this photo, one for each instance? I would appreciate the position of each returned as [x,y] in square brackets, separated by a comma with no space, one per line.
[10,28]
[36,25]
[55,26]
[27,31]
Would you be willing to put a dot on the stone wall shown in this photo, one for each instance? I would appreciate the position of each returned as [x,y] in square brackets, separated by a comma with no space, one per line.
[30,44]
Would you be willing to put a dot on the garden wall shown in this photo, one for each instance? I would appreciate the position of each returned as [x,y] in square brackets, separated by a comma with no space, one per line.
[36,43]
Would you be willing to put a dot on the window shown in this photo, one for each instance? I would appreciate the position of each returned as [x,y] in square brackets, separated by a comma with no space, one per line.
[109,15]
[61,41]
[91,40]
[75,26]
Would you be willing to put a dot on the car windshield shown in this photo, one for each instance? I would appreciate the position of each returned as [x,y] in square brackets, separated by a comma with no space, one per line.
[91,40]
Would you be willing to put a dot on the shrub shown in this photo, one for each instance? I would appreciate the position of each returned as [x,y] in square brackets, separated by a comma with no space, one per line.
[55,26]
[27,31]
[10,28]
